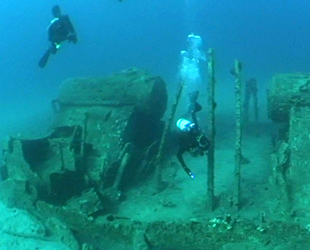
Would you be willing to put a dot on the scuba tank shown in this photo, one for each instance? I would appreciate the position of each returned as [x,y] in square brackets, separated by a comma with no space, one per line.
[184,125]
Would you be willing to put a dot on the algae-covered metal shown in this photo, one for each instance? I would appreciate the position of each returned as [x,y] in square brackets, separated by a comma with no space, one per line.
[105,133]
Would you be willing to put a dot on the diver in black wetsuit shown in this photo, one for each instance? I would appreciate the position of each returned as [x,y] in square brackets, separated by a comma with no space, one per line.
[192,139]
[59,30]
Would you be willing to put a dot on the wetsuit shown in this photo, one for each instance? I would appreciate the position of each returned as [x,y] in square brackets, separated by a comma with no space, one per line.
[193,141]
[59,30]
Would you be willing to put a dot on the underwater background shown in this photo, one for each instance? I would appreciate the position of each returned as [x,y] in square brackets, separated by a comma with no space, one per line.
[267,36]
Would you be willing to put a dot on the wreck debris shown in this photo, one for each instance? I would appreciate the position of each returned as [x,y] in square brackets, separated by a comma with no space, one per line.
[59,232]
[101,130]
[181,234]
[87,246]
[88,203]
[298,174]
[280,165]
[76,175]
[288,103]
[139,241]
[114,193]
[287,90]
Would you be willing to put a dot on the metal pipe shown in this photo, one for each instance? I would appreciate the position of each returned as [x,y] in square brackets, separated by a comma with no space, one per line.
[211,130]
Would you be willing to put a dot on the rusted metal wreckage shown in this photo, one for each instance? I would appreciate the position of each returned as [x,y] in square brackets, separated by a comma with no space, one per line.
[105,136]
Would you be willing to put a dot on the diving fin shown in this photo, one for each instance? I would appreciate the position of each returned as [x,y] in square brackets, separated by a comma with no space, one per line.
[194,108]
[44,58]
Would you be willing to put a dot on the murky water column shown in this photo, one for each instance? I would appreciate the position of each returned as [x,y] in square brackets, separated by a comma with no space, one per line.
[190,15]
[192,56]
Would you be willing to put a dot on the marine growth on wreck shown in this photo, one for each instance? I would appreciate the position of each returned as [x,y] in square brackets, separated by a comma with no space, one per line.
[93,181]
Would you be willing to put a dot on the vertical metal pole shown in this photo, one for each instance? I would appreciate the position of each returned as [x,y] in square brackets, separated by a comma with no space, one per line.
[256,110]
[160,154]
[211,130]
[238,153]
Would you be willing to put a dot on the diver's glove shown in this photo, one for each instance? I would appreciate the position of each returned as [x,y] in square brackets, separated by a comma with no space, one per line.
[188,171]
[191,175]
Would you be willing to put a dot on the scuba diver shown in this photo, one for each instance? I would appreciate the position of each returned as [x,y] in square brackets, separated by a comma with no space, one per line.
[59,30]
[192,139]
